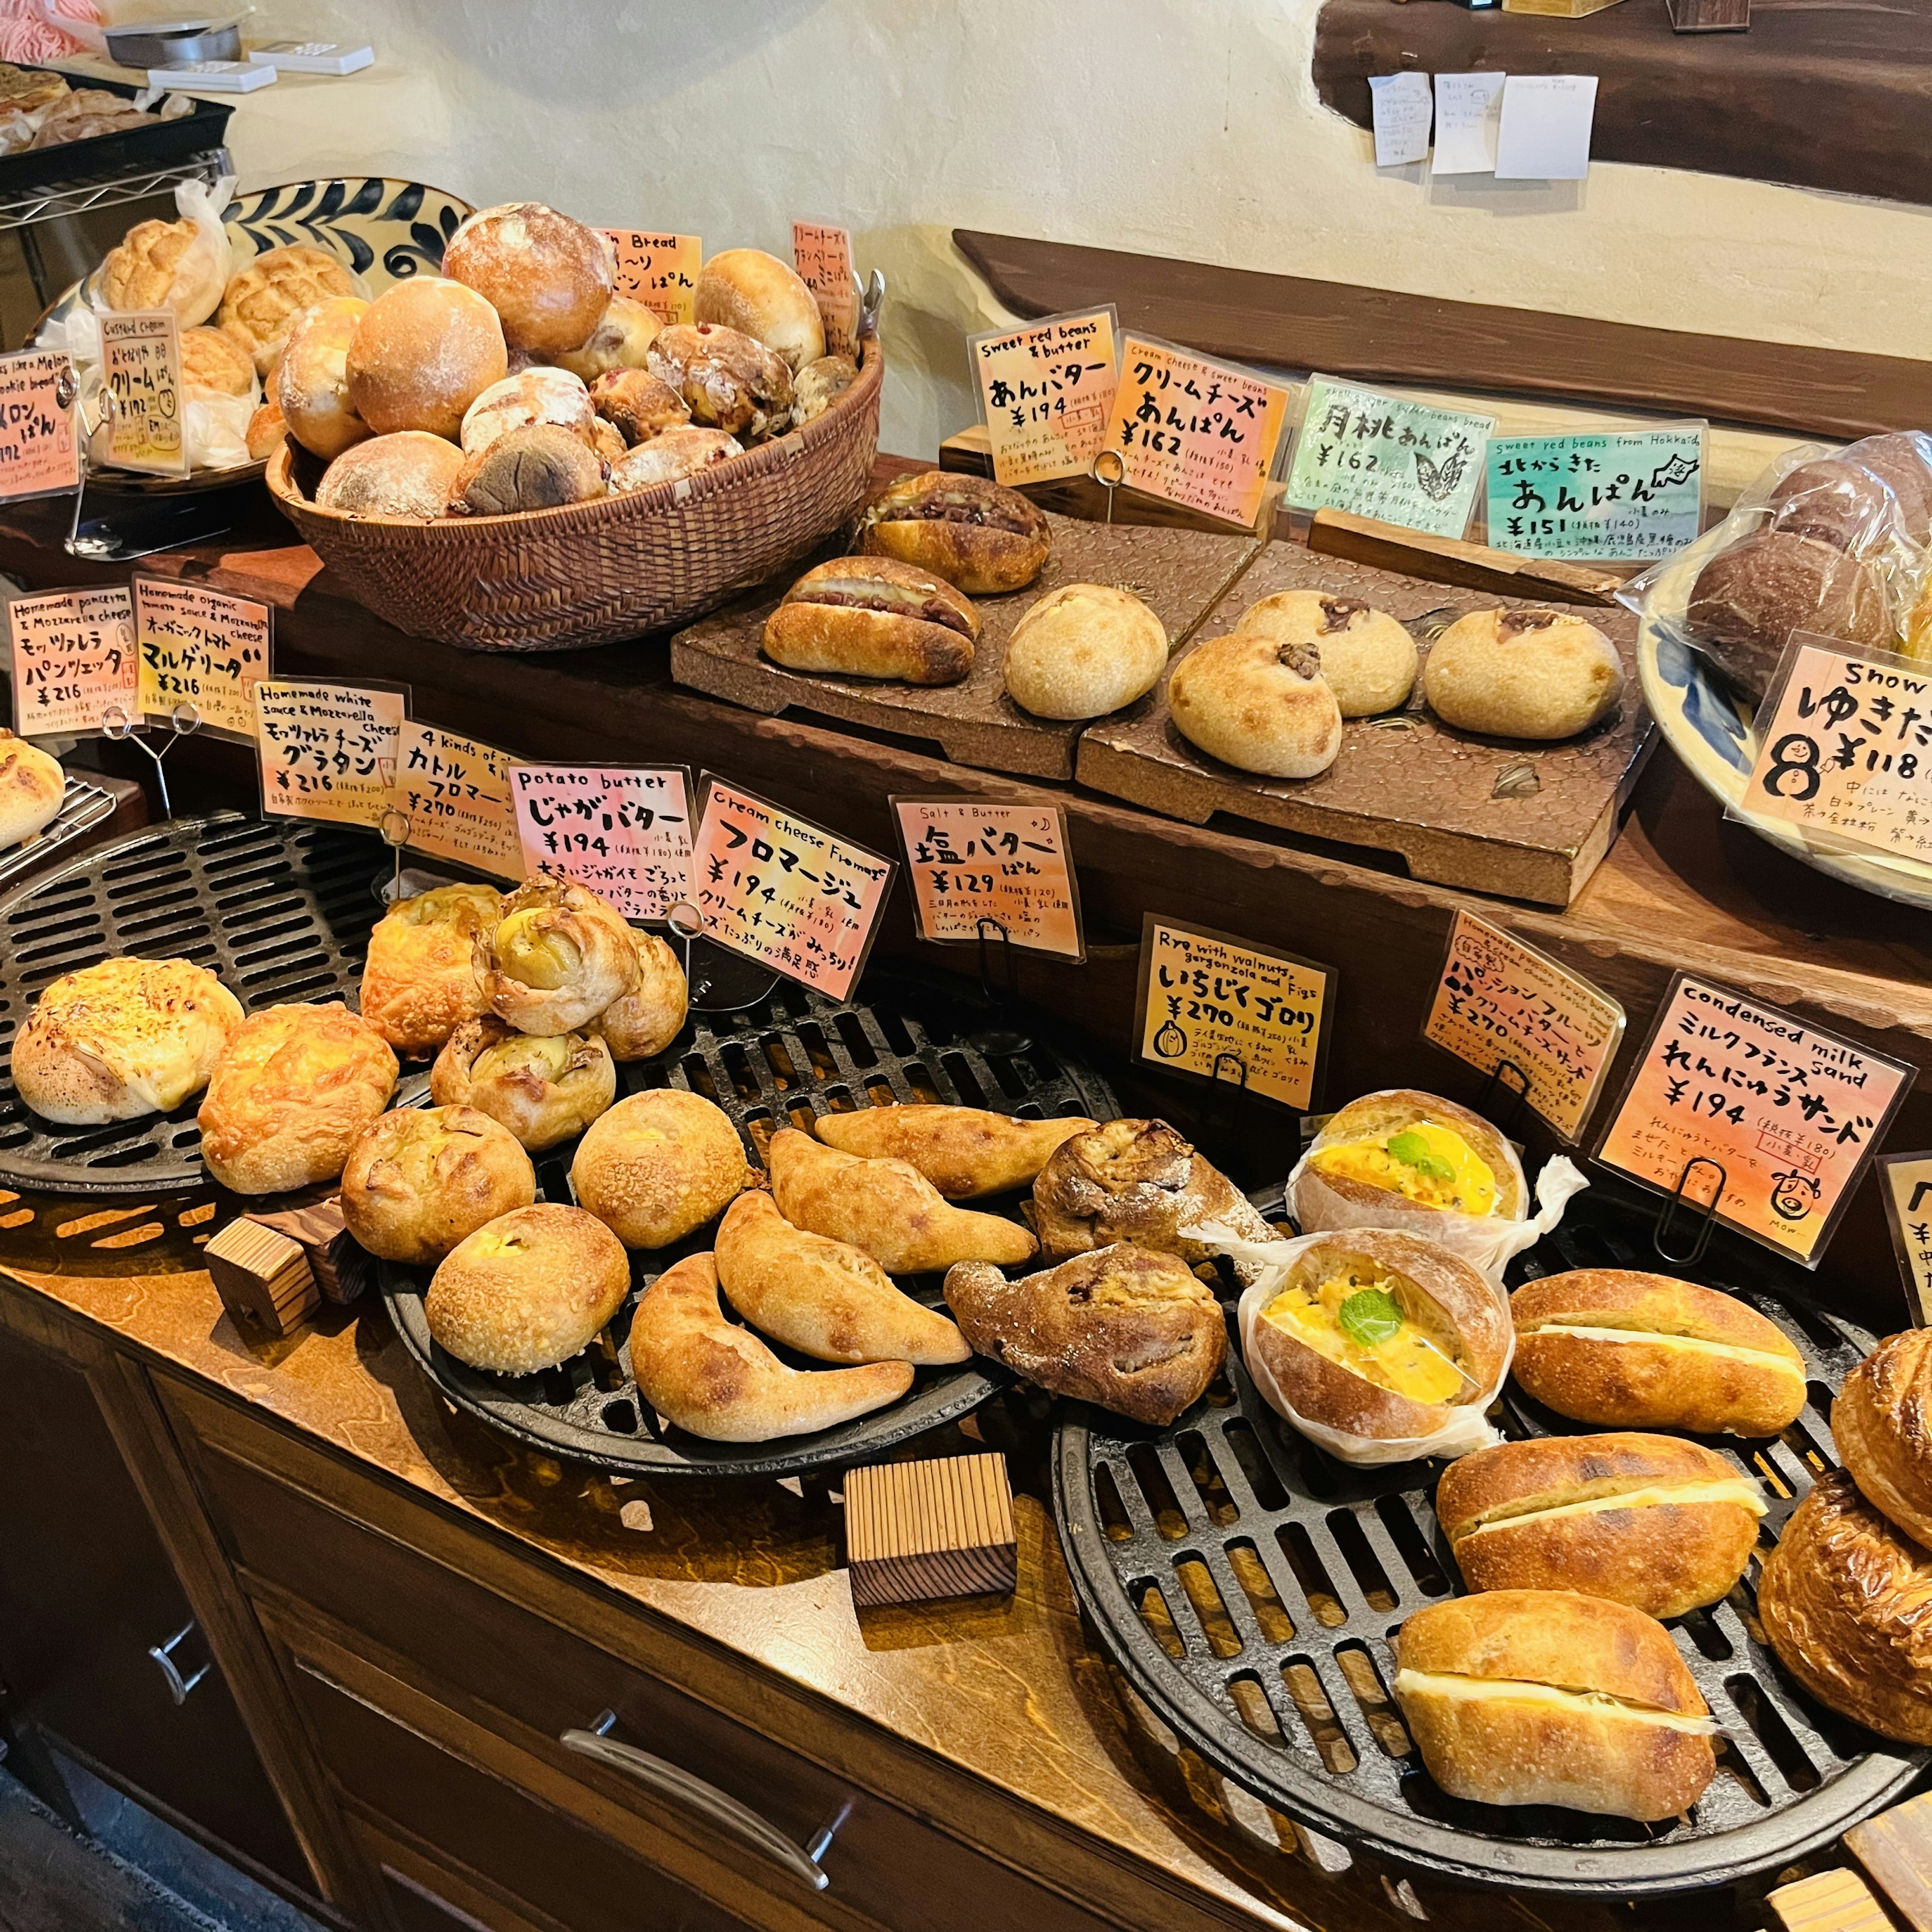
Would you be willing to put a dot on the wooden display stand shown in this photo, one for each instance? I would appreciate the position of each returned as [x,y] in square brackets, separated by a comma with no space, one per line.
[932,1529]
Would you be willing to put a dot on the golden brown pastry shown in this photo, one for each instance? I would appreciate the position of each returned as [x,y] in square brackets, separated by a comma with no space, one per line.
[424,352]
[311,381]
[658,1165]
[34,90]
[818,385]
[1538,674]
[409,474]
[553,396]
[266,429]
[886,1207]
[645,1021]
[965,1152]
[1624,1350]
[624,334]
[259,306]
[1882,1426]
[1084,650]
[1259,705]
[872,617]
[543,1088]
[540,467]
[1652,1521]
[669,456]
[1548,1697]
[548,277]
[981,538]
[1132,1330]
[1845,1599]
[124,1038]
[762,297]
[295,1088]
[211,360]
[711,1378]
[419,982]
[825,1298]
[33,787]
[1138,1181]
[163,265]
[731,382]
[1367,659]
[559,955]
[424,1178]
[527,1290]
[638,405]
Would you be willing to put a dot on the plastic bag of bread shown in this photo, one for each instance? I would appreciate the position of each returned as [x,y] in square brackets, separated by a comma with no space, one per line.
[184,265]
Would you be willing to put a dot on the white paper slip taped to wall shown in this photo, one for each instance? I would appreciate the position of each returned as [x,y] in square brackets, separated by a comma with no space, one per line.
[1469,110]
[1545,134]
[1403,107]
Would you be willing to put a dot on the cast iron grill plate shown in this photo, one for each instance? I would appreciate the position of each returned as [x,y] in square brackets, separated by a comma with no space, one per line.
[794,1056]
[276,909]
[1248,1584]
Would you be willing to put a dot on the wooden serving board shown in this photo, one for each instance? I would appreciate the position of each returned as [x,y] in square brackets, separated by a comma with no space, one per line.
[1181,573]
[1418,788]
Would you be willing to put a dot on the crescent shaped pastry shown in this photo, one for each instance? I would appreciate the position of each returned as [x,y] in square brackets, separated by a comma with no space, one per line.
[965,1152]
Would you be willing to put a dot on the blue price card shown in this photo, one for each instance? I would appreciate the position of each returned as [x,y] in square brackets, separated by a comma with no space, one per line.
[1619,496]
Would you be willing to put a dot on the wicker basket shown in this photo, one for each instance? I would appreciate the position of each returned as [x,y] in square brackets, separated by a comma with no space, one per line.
[555,580]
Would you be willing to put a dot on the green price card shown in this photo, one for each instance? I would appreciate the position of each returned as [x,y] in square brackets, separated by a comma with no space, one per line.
[1626,495]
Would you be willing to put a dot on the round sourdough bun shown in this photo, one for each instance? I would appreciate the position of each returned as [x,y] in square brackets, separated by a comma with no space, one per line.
[423,1178]
[312,379]
[730,381]
[528,1290]
[624,334]
[1084,650]
[425,351]
[539,395]
[548,277]
[1536,674]
[268,427]
[684,450]
[1368,660]
[409,474]
[1882,1423]
[537,467]
[262,300]
[639,405]
[818,385]
[658,1166]
[32,786]
[759,296]
[1257,705]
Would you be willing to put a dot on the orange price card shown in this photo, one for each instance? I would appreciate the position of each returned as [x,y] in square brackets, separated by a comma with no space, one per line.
[1048,390]
[140,357]
[455,793]
[1500,1001]
[969,860]
[823,255]
[328,751]
[39,452]
[74,665]
[660,271]
[622,830]
[1790,1113]
[780,890]
[202,648]
[1195,432]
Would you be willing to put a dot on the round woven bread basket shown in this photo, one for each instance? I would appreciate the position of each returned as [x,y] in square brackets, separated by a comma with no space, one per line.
[588,573]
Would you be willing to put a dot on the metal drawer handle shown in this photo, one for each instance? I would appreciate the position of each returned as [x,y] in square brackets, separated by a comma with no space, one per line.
[720,1807]
[178,1686]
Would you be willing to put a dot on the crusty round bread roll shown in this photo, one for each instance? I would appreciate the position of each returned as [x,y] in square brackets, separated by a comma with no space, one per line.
[262,300]
[548,277]
[539,395]
[267,429]
[210,360]
[1368,660]
[423,1178]
[730,381]
[527,1290]
[419,981]
[1882,1423]
[1257,705]
[408,474]
[645,1021]
[639,405]
[818,385]
[1536,674]
[558,957]
[658,1165]
[678,452]
[623,335]
[425,351]
[759,296]
[312,379]
[32,787]
[537,467]
[163,264]
[543,1088]
[1084,650]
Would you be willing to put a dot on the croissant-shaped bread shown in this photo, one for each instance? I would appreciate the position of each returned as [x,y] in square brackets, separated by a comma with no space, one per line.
[887,1208]
[544,1087]
[559,957]
[965,1152]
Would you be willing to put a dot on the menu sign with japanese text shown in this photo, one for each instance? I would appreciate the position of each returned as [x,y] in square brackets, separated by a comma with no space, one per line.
[455,793]
[1375,455]
[328,751]
[200,647]
[74,667]
[1197,433]
[1048,392]
[973,860]
[1789,1112]
[1905,1181]
[1499,1000]
[622,830]
[140,357]
[1627,496]
[660,271]
[1228,1010]
[823,255]
[39,452]
[776,888]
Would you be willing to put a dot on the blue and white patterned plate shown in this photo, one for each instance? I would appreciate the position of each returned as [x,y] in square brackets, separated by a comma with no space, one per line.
[1711,730]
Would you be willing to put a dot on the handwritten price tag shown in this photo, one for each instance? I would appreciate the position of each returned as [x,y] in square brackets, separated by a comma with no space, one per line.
[39,452]
[1905,1180]
[823,255]
[140,356]
[1048,392]
[1499,1000]
[455,793]
[775,887]
[74,667]
[1215,1006]
[660,271]
[969,859]
[201,647]
[1790,1113]
[327,750]
[1623,495]
[622,830]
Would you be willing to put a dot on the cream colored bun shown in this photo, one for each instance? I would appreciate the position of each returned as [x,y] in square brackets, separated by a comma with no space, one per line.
[419,982]
[32,786]
[121,1038]
[1368,660]
[539,395]
[548,277]
[559,956]
[759,296]
[425,351]
[262,300]
[544,1087]
[1522,674]
[268,428]
[675,453]
[409,474]
[818,385]
[1257,705]
[624,334]
[658,1165]
[163,265]
[210,360]
[1084,650]
[645,1021]
[312,379]
[730,381]
[423,1178]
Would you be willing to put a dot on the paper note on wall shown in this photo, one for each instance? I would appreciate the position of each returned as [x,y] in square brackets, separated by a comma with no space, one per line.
[1403,106]
[1543,134]
[1468,117]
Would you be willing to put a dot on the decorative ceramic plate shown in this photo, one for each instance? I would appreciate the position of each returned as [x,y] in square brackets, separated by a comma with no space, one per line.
[1711,729]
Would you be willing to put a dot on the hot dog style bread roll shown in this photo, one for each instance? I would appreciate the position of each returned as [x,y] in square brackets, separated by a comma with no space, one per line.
[872,617]
[981,538]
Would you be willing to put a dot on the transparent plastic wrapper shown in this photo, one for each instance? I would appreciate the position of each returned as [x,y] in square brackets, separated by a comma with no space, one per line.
[214,427]
[200,274]
[1835,542]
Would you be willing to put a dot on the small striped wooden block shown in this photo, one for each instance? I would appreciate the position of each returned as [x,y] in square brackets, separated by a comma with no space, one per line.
[262,1276]
[342,1270]
[1832,1901]
[1895,1848]
[939,1528]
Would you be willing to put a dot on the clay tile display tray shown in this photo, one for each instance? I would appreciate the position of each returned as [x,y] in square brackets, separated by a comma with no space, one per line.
[1419,788]
[1182,573]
